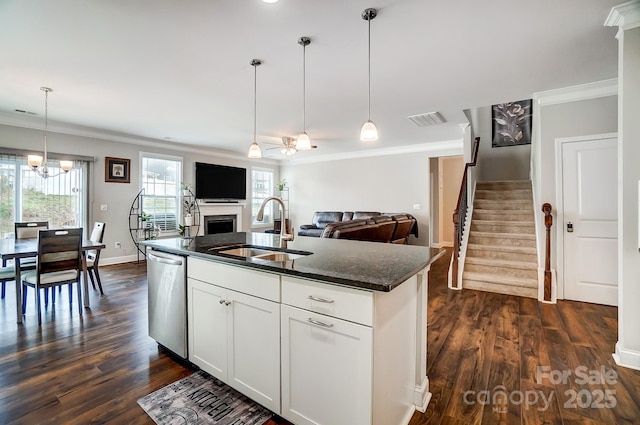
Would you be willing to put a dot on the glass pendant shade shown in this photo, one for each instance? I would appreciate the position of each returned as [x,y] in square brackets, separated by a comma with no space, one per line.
[303,143]
[369,132]
[34,161]
[254,151]
[66,165]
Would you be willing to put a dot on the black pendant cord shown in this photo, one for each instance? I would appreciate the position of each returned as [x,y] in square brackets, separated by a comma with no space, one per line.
[369,71]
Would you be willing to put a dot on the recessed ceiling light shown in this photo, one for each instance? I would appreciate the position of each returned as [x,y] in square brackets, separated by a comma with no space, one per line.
[270,1]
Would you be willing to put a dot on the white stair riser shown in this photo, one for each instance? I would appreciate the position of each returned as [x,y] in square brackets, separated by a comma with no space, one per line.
[513,256]
[502,271]
[497,240]
[502,228]
[500,288]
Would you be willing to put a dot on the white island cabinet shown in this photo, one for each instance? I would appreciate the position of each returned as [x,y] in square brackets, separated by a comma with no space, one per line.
[233,334]
[314,352]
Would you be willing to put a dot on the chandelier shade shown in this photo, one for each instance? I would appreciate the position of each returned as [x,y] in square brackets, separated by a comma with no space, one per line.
[38,163]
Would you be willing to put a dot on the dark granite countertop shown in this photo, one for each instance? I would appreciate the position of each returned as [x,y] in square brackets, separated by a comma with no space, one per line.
[368,265]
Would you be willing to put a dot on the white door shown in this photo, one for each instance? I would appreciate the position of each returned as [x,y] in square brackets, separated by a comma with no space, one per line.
[590,228]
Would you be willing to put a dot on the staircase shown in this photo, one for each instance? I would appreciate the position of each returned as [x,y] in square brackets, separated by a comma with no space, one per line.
[501,253]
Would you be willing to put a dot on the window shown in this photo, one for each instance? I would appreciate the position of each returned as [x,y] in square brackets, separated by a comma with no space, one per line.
[261,189]
[26,196]
[160,179]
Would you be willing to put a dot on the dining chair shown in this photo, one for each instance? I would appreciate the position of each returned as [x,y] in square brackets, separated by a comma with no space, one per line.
[7,273]
[59,263]
[29,230]
[93,256]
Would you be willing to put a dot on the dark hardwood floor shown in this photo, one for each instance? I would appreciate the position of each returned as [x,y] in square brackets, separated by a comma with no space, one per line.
[92,369]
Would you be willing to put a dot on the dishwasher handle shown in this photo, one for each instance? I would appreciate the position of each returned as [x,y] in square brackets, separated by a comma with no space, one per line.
[163,260]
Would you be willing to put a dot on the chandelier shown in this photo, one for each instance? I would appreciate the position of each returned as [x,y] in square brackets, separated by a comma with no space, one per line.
[37,163]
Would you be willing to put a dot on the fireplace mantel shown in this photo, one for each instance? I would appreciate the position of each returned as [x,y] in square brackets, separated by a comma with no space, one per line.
[221,208]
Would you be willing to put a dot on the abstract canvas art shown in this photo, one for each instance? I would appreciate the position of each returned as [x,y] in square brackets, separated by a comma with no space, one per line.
[511,123]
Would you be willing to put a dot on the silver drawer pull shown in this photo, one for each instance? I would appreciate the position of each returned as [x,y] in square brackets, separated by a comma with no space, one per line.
[319,323]
[320,299]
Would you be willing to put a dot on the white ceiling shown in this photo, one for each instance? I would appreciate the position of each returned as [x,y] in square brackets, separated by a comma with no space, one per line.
[175,69]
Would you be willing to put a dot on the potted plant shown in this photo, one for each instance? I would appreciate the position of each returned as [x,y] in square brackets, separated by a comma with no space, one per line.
[281,185]
[186,188]
[188,206]
[145,219]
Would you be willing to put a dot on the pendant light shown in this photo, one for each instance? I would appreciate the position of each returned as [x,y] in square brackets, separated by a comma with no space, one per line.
[254,150]
[37,163]
[369,131]
[303,143]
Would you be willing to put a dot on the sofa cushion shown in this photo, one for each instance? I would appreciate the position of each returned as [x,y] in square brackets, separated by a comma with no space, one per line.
[314,231]
[322,218]
[332,227]
[365,214]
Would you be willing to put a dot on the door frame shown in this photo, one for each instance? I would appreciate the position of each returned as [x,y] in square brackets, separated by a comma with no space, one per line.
[559,143]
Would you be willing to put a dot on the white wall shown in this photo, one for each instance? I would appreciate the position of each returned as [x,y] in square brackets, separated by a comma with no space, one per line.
[119,196]
[578,118]
[504,163]
[628,346]
[390,183]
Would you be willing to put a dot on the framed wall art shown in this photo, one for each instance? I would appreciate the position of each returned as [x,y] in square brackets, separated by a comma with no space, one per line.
[511,123]
[117,170]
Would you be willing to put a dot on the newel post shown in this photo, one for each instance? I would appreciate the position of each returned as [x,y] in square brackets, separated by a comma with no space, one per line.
[548,222]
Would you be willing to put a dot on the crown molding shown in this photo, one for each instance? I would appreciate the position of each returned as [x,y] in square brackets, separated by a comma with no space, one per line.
[625,16]
[36,123]
[443,148]
[577,93]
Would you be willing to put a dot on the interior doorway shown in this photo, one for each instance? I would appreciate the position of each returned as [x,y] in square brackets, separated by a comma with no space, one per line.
[446,175]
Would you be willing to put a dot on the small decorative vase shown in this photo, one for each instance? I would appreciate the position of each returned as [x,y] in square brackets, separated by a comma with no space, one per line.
[188,220]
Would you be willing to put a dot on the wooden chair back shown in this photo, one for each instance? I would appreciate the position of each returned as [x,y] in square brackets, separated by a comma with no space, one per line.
[59,250]
[29,229]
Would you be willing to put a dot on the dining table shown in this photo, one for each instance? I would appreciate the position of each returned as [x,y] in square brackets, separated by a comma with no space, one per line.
[17,249]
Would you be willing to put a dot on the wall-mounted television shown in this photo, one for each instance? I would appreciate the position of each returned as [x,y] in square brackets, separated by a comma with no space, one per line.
[220,182]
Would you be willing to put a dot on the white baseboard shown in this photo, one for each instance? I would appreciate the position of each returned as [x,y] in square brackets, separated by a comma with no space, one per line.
[627,358]
[422,396]
[119,260]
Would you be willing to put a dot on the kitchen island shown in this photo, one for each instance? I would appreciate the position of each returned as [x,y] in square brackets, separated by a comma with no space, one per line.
[327,331]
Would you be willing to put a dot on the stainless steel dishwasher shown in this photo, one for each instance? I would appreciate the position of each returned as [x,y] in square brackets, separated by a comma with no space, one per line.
[166,275]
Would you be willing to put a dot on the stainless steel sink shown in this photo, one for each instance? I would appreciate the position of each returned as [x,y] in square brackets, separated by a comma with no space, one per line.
[279,256]
[245,252]
[263,254]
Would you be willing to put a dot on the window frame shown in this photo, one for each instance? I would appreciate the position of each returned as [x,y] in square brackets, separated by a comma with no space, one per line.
[270,222]
[178,192]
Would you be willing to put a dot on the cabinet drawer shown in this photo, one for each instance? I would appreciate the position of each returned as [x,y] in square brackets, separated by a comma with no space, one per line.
[336,301]
[260,284]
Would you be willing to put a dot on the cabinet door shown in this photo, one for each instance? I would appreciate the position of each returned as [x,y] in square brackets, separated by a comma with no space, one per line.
[326,369]
[254,348]
[208,327]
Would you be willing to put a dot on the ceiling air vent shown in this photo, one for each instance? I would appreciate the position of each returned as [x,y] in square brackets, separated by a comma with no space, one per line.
[430,118]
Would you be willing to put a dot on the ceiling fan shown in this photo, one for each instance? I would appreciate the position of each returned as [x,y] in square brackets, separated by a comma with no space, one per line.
[288,146]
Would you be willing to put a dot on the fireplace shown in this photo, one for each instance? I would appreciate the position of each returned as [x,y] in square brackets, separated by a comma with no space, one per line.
[225,211]
[219,224]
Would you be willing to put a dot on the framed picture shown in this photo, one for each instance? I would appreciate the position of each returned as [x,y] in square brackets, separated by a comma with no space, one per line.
[117,170]
[511,123]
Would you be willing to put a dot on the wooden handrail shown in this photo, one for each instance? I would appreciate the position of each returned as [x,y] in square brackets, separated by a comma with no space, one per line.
[460,214]
[548,222]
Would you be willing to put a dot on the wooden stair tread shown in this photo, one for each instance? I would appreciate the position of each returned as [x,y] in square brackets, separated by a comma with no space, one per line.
[500,279]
